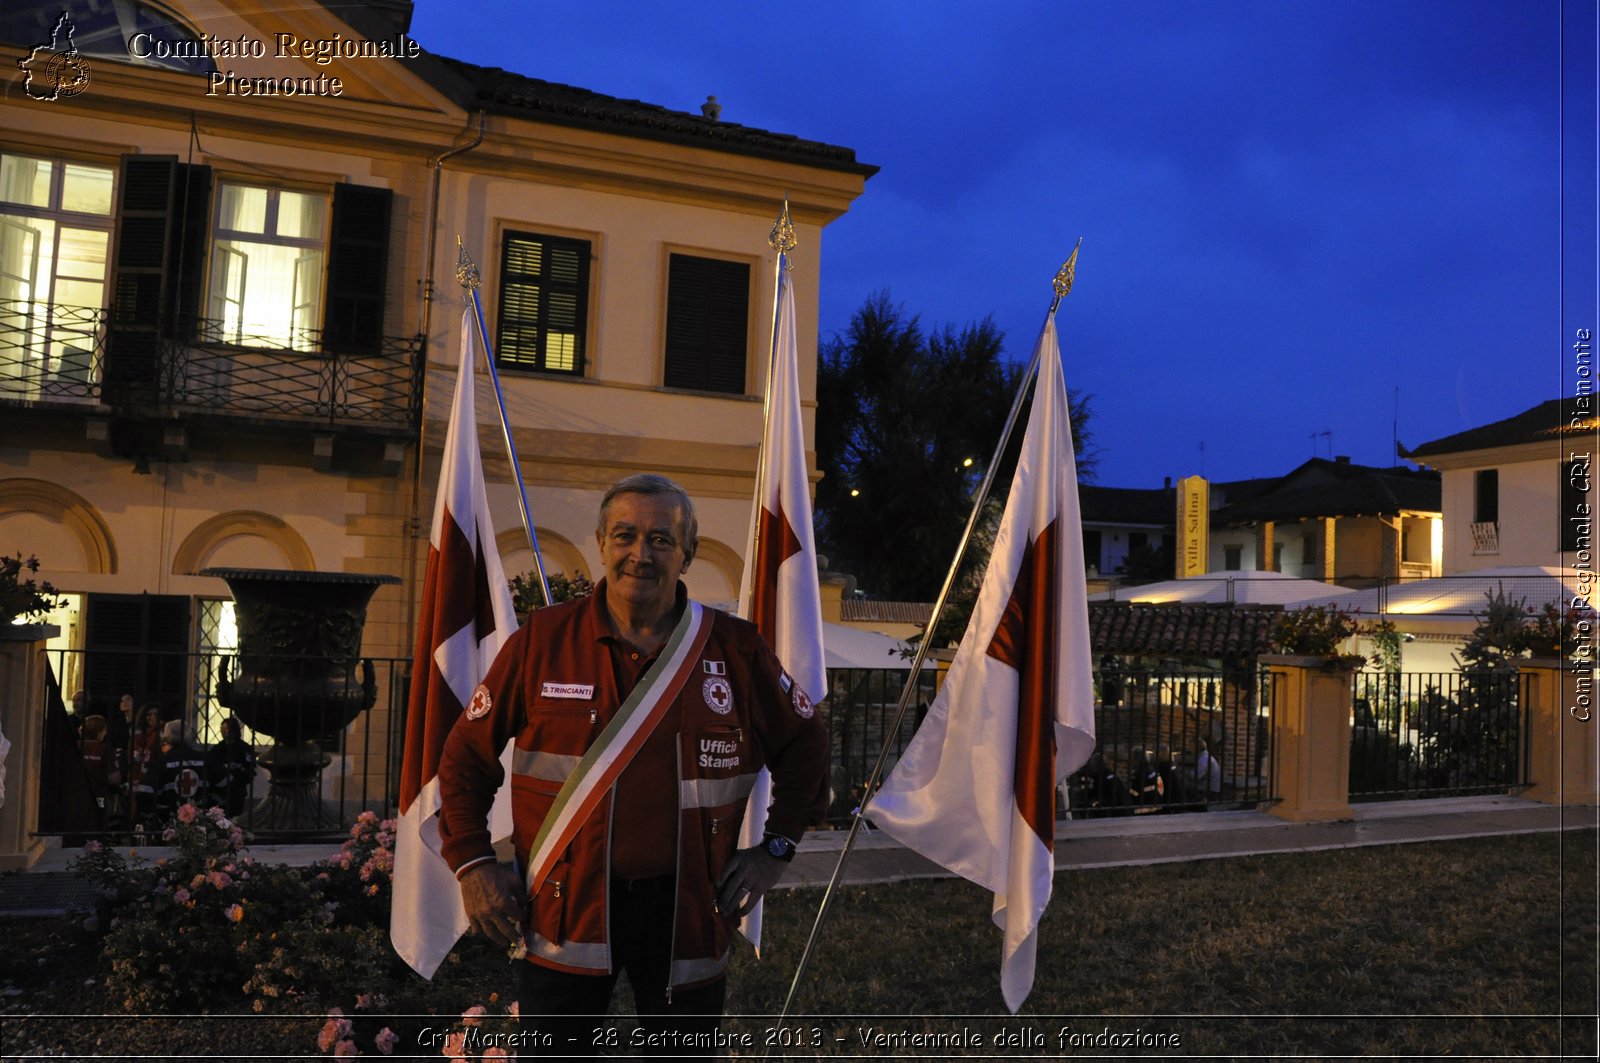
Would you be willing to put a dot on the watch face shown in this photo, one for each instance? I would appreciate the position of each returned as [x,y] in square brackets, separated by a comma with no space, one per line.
[779,847]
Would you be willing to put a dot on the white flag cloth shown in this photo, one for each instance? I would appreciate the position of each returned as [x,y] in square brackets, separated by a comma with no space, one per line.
[779,592]
[975,790]
[467,615]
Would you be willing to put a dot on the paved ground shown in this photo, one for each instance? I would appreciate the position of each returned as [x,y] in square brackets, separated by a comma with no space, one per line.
[1118,842]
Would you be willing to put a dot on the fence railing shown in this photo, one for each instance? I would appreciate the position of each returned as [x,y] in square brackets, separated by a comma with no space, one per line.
[315,793]
[1437,734]
[54,354]
[1176,741]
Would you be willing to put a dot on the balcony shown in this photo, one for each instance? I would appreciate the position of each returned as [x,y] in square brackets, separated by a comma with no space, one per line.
[1486,537]
[63,357]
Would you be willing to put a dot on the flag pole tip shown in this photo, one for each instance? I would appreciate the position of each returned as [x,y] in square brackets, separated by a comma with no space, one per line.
[782,238]
[466,268]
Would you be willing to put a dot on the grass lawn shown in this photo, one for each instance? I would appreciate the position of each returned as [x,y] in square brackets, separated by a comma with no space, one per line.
[1473,948]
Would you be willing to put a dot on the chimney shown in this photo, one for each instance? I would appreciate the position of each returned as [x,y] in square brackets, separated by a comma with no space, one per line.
[1166,481]
[712,109]
[1342,459]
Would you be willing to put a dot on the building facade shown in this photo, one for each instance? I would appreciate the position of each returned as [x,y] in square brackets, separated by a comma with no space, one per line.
[230,316]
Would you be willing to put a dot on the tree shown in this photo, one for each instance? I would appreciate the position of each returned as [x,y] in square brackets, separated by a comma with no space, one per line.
[906,422]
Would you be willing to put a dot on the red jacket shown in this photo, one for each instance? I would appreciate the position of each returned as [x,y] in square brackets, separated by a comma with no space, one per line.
[553,689]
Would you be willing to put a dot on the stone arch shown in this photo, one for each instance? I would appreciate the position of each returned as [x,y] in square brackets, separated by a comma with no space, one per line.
[715,561]
[213,532]
[76,514]
[560,554]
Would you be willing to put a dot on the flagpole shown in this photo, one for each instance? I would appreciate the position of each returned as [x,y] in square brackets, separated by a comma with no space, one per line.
[1062,285]
[467,274]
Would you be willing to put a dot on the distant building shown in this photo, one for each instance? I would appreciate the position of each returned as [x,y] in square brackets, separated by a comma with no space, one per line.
[1329,520]
[1519,491]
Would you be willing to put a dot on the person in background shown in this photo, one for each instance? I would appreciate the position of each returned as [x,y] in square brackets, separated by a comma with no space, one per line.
[232,768]
[178,774]
[99,765]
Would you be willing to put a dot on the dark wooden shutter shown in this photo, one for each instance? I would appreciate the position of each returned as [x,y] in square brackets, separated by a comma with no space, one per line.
[358,269]
[163,214]
[137,644]
[544,303]
[708,309]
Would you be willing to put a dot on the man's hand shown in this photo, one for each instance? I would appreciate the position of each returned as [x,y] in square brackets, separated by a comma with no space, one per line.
[749,874]
[495,900]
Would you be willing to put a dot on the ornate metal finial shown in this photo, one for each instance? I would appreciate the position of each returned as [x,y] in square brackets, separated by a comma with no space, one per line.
[466,269]
[781,239]
[1065,276]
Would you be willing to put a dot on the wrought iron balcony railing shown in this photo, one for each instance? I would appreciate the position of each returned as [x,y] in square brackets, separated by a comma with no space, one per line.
[52,354]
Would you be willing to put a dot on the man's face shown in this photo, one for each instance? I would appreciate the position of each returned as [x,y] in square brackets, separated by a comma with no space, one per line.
[642,551]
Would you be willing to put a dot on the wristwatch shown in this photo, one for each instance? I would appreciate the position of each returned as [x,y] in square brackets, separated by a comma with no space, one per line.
[778,847]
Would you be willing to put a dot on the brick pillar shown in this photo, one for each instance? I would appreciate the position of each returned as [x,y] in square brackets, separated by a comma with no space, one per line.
[22,723]
[1329,569]
[1561,732]
[1311,745]
[1265,546]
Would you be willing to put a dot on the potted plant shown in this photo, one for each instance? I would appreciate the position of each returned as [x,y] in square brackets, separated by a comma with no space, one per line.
[1319,631]
[24,601]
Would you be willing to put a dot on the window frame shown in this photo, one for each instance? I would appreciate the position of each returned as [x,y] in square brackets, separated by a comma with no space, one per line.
[701,379]
[582,290]
[303,338]
[37,364]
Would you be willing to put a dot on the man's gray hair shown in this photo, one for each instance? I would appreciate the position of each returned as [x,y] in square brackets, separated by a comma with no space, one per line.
[649,483]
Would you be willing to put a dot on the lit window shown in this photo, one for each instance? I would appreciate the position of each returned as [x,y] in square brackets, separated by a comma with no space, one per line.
[55,231]
[267,267]
[544,303]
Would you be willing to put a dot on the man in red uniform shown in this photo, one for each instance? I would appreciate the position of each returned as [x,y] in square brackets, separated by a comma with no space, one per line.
[639,721]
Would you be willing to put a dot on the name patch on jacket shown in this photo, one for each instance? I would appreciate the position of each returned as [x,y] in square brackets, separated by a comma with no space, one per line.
[719,753]
[567,691]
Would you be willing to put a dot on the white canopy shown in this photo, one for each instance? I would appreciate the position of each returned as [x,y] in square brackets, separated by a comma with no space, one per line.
[1463,597]
[1229,588]
[853,647]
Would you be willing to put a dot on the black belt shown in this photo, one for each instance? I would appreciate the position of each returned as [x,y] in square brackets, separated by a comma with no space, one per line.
[643,887]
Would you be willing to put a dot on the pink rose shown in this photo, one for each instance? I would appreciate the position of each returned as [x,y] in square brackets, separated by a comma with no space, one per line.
[186,813]
[386,1041]
[235,913]
[182,896]
[346,1047]
[471,1016]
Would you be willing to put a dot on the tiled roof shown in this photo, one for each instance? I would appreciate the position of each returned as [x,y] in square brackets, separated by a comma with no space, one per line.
[1155,506]
[507,93]
[1546,421]
[864,609]
[1193,631]
[1321,488]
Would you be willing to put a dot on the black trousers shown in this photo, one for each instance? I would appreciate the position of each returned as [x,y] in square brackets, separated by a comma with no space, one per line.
[571,1008]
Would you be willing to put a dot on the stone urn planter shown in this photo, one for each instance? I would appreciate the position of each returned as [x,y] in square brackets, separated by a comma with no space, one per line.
[299,677]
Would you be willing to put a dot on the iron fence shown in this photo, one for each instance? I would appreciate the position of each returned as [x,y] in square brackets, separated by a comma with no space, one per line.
[298,792]
[1170,740]
[1437,734]
[51,352]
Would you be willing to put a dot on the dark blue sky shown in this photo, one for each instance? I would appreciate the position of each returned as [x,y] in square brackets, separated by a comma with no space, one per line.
[1289,209]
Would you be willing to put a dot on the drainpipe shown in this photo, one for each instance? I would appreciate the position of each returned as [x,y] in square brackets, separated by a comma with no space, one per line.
[424,319]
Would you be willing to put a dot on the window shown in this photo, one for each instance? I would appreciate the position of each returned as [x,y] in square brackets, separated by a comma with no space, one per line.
[1308,548]
[1486,497]
[708,309]
[544,303]
[267,267]
[1232,558]
[1091,550]
[55,232]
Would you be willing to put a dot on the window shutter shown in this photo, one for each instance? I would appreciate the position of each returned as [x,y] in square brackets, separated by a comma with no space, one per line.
[358,268]
[135,644]
[544,303]
[707,324]
[133,340]
[162,227]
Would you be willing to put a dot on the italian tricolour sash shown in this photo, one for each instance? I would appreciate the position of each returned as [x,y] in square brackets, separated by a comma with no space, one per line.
[641,711]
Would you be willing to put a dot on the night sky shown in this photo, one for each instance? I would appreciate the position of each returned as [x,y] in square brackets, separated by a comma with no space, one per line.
[1291,211]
